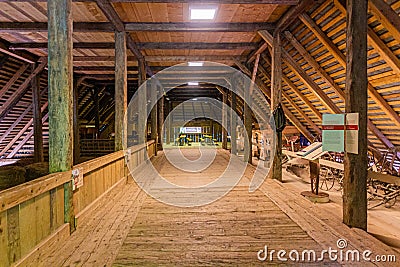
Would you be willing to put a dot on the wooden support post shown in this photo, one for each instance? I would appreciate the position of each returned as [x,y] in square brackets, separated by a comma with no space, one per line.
[233,123]
[60,96]
[276,98]
[37,119]
[142,115]
[60,85]
[154,129]
[248,120]
[160,119]
[95,93]
[355,165]
[168,123]
[121,87]
[224,120]
[76,126]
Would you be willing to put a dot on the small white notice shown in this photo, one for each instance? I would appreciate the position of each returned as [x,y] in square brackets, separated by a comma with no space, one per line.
[352,122]
[77,178]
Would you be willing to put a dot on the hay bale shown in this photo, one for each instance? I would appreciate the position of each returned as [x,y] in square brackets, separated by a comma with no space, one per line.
[36,170]
[11,176]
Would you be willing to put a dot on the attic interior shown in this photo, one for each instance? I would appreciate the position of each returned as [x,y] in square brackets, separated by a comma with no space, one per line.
[72,74]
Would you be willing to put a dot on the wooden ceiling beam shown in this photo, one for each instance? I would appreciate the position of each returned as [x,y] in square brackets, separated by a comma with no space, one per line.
[251,2]
[229,58]
[17,54]
[148,45]
[199,26]
[18,27]
[291,15]
[112,15]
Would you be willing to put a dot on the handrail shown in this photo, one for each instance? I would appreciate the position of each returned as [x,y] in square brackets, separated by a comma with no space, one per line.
[23,192]
[62,209]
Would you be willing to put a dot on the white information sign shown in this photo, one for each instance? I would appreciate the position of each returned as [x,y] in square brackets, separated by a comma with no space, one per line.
[77,178]
[352,122]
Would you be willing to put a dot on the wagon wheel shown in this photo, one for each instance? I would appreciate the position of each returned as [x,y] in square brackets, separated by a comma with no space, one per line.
[326,178]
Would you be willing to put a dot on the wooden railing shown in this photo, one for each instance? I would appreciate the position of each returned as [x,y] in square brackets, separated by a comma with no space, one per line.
[96,147]
[45,210]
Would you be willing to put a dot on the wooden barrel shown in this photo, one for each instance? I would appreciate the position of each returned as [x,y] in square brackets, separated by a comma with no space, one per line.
[11,176]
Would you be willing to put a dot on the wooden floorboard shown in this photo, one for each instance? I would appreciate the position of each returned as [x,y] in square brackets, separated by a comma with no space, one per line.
[229,231]
[132,228]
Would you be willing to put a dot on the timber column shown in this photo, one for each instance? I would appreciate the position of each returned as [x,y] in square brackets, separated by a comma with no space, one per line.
[121,87]
[160,118]
[37,118]
[233,123]
[154,118]
[248,120]
[142,101]
[276,98]
[356,96]
[60,82]
[224,120]
[60,85]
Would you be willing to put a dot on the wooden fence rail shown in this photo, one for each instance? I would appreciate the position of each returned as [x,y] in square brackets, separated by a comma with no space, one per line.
[33,214]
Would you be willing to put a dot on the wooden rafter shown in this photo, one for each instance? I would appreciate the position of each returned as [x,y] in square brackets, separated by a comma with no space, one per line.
[292,14]
[4,60]
[294,66]
[310,60]
[13,79]
[26,138]
[292,103]
[16,54]
[8,105]
[21,132]
[377,43]
[387,16]
[338,55]
[267,93]
[297,91]
[19,119]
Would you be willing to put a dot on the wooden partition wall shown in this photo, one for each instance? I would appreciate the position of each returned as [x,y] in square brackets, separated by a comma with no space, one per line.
[33,214]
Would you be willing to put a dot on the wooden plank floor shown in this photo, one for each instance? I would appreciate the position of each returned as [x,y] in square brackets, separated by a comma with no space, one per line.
[131,228]
[229,231]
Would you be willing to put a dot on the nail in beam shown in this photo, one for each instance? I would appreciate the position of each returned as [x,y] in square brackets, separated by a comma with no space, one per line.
[60,95]
[355,165]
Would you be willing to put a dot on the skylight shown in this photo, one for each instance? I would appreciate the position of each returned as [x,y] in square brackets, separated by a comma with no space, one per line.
[193,83]
[195,64]
[202,13]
